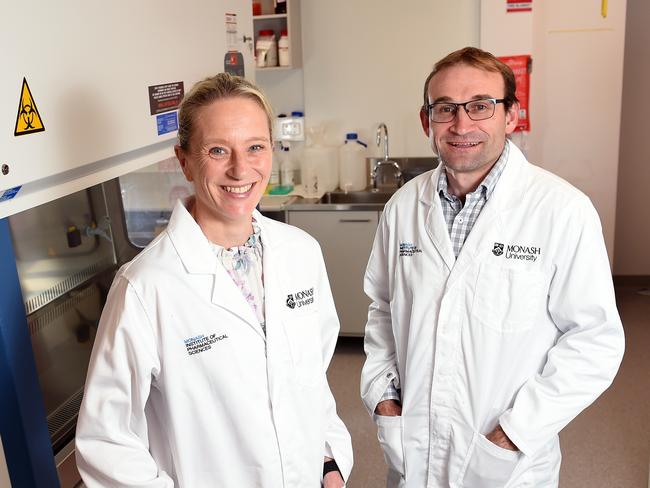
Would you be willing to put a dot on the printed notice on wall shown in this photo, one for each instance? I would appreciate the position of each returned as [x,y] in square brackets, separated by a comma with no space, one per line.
[233,61]
[518,6]
[521,67]
[167,123]
[167,97]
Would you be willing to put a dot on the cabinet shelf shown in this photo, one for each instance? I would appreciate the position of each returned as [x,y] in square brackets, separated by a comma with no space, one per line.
[274,68]
[290,22]
[269,16]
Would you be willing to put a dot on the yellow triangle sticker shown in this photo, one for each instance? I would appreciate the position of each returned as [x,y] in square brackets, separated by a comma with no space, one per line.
[28,120]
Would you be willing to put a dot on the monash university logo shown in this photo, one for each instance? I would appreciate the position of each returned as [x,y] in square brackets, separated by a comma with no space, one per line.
[497,250]
[517,251]
[300,298]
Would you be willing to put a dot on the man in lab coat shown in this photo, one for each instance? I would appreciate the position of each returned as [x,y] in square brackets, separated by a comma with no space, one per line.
[493,321]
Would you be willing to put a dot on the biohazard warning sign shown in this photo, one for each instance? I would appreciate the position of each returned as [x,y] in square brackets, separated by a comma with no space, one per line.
[28,119]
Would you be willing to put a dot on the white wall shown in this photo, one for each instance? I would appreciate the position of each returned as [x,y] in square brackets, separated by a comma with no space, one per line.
[284,88]
[632,255]
[365,61]
[576,89]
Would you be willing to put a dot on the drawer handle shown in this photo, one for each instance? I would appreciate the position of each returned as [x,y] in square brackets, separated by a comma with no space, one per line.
[353,221]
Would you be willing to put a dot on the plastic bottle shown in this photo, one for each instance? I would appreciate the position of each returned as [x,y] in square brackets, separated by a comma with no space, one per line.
[309,175]
[352,164]
[283,48]
[297,126]
[286,173]
[278,126]
[280,6]
[287,170]
[320,167]
[274,179]
[266,49]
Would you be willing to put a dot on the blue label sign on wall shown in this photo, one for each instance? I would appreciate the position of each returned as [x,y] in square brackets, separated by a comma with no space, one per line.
[167,122]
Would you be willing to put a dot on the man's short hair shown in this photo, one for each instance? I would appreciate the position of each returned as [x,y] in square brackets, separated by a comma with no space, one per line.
[477,58]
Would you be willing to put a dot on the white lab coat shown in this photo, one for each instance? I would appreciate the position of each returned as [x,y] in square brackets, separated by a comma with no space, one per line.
[521,329]
[165,407]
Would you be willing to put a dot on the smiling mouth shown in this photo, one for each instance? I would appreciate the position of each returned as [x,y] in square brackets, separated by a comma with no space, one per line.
[238,189]
[463,145]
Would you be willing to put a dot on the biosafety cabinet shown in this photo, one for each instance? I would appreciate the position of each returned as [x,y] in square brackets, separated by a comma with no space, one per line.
[89,95]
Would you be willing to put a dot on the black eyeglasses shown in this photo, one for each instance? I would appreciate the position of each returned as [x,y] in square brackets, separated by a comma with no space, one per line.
[475,109]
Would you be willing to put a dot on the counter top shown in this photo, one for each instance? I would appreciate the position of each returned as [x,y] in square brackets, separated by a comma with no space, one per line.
[330,201]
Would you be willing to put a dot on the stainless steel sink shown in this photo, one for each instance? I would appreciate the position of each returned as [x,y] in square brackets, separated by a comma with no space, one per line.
[358,197]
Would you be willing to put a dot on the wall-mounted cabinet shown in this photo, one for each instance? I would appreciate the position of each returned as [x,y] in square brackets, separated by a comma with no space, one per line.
[289,21]
[87,75]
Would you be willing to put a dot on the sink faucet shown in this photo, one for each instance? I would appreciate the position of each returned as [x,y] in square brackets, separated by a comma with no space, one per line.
[374,172]
[379,128]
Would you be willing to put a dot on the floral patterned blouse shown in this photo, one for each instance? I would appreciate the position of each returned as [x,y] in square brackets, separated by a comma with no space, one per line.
[244,265]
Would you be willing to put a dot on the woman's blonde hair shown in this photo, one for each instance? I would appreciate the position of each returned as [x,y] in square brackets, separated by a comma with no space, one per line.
[223,85]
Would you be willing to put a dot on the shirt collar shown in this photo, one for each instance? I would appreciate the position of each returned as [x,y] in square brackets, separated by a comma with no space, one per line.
[487,185]
[252,244]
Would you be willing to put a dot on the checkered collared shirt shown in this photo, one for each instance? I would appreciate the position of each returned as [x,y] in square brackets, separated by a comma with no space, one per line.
[461,218]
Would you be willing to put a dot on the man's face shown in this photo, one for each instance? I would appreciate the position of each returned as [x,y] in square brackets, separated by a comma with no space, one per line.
[465,145]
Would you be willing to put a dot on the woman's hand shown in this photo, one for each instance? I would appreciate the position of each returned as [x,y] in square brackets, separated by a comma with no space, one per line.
[333,479]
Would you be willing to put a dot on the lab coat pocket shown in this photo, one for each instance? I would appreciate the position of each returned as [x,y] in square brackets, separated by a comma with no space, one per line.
[488,465]
[389,433]
[508,299]
[303,335]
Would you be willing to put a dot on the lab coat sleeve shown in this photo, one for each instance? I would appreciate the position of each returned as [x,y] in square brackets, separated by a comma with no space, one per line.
[586,356]
[380,368]
[112,438]
[338,444]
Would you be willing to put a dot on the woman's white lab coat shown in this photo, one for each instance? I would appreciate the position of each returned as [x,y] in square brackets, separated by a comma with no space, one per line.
[185,390]
[520,330]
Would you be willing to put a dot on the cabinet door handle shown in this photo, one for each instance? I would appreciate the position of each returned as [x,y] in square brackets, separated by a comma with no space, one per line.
[353,221]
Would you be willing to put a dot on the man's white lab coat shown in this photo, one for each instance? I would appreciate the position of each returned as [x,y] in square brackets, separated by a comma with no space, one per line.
[520,330]
[185,390]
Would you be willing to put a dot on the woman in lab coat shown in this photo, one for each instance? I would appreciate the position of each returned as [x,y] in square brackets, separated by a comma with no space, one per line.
[209,365]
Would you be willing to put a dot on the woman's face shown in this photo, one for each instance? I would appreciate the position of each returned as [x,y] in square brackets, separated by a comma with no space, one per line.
[228,161]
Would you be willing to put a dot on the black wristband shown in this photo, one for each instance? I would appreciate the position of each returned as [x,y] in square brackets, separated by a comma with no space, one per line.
[330,466]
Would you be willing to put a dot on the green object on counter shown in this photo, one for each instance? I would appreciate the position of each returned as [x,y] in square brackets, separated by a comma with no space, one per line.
[281,190]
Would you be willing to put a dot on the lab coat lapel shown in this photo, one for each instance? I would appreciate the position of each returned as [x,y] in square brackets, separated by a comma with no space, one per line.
[489,226]
[278,358]
[194,250]
[227,295]
[435,224]
[483,235]
[273,299]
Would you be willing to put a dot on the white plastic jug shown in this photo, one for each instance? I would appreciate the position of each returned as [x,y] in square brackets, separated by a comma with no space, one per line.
[352,164]
[321,162]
